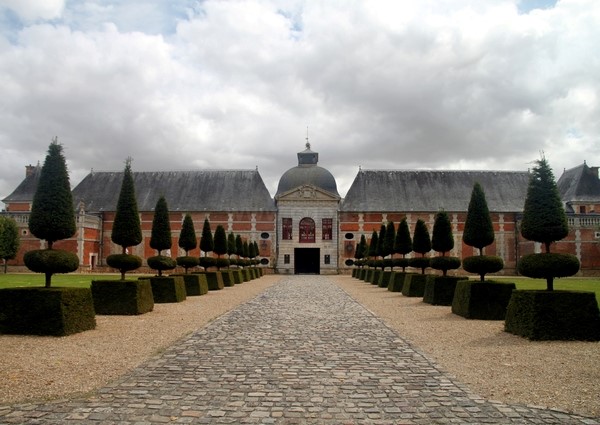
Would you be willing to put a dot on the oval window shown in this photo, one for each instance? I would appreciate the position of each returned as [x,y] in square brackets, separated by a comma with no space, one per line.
[349,262]
[264,235]
[264,261]
[349,236]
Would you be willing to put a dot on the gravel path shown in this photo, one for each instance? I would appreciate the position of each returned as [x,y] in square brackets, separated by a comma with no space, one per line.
[494,364]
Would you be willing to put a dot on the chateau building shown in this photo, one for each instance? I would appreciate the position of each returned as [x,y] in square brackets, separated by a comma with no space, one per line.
[307,227]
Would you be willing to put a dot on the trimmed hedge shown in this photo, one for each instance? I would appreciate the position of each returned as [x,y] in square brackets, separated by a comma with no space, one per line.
[362,274]
[414,284]
[187,261]
[228,279]
[215,281]
[375,276]
[51,261]
[55,311]
[419,263]
[445,263]
[384,280]
[207,262]
[195,283]
[397,281]
[161,262]
[482,300]
[553,315]
[368,275]
[237,276]
[168,289]
[124,262]
[483,264]
[122,297]
[355,272]
[548,265]
[440,289]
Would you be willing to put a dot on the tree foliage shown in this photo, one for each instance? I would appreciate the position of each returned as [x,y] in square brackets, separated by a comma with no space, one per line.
[230,244]
[373,244]
[127,230]
[479,231]
[187,236]
[388,241]
[9,239]
[206,241]
[544,218]
[403,241]
[239,246]
[220,241]
[160,238]
[381,241]
[361,248]
[421,239]
[442,239]
[52,214]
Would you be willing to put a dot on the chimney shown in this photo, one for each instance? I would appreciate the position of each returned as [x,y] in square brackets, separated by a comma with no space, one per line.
[29,170]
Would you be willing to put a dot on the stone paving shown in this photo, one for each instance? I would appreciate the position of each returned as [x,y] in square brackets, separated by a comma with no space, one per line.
[302,352]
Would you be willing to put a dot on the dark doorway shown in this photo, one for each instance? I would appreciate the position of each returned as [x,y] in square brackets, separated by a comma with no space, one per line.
[307,261]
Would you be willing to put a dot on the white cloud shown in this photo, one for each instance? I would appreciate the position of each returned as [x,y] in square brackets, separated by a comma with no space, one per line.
[32,10]
[234,84]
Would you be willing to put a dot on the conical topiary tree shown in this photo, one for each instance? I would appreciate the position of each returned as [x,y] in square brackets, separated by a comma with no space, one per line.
[479,233]
[127,229]
[256,252]
[380,243]
[160,238]
[421,245]
[239,249]
[220,246]
[442,241]
[545,221]
[388,245]
[361,251]
[9,240]
[372,252]
[187,242]
[207,245]
[52,217]
[403,243]
[230,246]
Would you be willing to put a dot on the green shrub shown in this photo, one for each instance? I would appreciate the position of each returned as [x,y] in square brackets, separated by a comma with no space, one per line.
[481,300]
[207,262]
[124,262]
[388,262]
[122,297]
[375,276]
[215,281]
[401,262]
[203,282]
[554,315]
[397,281]
[193,285]
[548,265]
[237,276]
[440,289]
[187,261]
[414,284]
[46,311]
[233,261]
[483,264]
[51,261]
[419,263]
[228,279]
[384,280]
[161,262]
[222,263]
[445,263]
[168,289]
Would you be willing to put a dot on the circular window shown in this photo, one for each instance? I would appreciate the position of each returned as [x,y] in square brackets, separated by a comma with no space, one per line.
[24,232]
[264,235]
[264,261]
[349,262]
[349,236]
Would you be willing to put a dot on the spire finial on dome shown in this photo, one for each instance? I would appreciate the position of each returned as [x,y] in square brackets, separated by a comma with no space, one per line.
[307,142]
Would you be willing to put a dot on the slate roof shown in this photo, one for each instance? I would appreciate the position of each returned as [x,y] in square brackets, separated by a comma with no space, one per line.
[432,190]
[206,190]
[580,184]
[25,191]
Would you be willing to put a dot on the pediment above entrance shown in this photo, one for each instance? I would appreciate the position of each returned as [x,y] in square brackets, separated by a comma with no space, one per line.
[307,192]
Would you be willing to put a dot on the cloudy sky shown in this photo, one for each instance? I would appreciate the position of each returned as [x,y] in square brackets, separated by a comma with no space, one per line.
[185,85]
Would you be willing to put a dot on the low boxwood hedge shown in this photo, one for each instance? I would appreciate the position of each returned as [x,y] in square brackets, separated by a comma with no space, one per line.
[375,276]
[482,300]
[161,263]
[228,279]
[122,297]
[397,282]
[440,289]
[124,262]
[553,315]
[414,284]
[51,261]
[194,283]
[384,279]
[215,281]
[54,311]
[168,289]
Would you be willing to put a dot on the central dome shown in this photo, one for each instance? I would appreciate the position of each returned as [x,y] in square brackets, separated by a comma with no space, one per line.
[307,172]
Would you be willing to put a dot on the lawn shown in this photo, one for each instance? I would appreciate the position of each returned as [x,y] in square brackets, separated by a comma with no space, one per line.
[570,283]
[12,280]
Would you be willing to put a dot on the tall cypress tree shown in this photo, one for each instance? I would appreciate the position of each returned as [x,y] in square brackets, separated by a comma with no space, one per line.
[206,242]
[187,236]
[442,239]
[479,231]
[52,215]
[127,229]
[160,238]
[544,218]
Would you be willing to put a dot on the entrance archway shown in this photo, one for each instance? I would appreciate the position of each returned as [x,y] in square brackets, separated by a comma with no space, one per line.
[307,260]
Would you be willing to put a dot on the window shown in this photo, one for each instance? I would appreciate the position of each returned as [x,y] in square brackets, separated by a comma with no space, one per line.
[327,259]
[286,229]
[307,230]
[327,229]
[286,259]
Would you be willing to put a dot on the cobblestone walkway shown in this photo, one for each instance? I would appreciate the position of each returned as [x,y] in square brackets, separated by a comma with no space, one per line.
[303,352]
